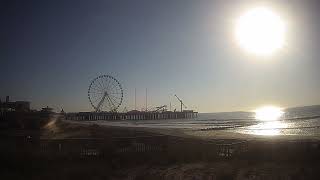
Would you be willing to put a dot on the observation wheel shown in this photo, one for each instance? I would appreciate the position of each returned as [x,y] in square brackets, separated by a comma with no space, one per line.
[105,93]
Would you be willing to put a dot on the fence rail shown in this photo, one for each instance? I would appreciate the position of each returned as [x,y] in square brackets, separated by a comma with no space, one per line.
[100,147]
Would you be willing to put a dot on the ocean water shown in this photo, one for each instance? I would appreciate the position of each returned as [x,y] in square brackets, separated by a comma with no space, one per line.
[294,121]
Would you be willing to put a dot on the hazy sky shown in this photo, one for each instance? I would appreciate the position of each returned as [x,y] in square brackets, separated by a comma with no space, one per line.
[51,50]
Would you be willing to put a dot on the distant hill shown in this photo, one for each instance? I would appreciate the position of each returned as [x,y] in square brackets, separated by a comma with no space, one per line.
[304,111]
[312,108]
[292,112]
[227,115]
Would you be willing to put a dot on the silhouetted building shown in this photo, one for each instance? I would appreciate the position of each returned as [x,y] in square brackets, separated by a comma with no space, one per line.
[47,109]
[19,106]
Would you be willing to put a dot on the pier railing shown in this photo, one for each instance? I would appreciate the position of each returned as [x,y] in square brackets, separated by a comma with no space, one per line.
[139,115]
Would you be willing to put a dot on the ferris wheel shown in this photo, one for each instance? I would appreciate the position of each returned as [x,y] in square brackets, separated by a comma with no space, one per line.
[105,93]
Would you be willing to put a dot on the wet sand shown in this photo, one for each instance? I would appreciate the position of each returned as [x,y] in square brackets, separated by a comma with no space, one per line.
[207,135]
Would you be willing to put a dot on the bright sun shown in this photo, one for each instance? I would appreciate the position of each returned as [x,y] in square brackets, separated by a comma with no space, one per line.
[268,113]
[260,31]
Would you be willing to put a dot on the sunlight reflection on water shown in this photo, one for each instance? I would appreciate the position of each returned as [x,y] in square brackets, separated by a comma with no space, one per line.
[271,123]
[270,128]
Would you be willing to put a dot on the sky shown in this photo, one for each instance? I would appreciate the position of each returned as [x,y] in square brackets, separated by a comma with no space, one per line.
[52,50]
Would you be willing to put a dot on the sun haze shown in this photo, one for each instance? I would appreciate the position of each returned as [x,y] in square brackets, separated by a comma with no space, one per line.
[260,31]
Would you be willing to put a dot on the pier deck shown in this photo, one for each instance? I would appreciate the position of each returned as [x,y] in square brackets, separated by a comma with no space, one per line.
[133,115]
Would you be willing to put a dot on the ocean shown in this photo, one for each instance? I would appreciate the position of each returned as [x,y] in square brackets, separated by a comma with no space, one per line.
[293,121]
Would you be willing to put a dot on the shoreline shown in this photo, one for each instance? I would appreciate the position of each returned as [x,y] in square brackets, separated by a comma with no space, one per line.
[206,135]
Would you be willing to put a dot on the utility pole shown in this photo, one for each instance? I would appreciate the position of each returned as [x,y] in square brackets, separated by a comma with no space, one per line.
[135,98]
[146,99]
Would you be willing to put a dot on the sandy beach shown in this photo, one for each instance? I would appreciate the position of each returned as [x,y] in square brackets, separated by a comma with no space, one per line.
[190,155]
[123,153]
[214,134]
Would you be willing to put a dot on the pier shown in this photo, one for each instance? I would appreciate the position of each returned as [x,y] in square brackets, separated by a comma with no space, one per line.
[132,115]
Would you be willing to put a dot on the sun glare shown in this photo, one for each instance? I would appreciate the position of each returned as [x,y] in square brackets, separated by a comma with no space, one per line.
[260,31]
[268,128]
[268,113]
